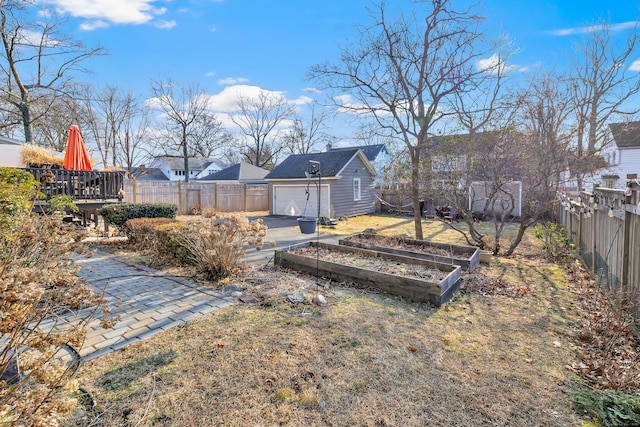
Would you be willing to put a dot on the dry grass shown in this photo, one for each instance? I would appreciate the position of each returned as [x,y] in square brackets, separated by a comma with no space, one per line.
[33,154]
[432,229]
[365,359]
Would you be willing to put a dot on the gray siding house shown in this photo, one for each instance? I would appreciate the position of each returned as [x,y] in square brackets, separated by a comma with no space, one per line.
[346,185]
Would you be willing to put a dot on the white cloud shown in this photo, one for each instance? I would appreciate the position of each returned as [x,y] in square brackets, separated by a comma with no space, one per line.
[93,25]
[302,100]
[210,74]
[311,90]
[162,24]
[228,81]
[213,28]
[494,64]
[227,100]
[133,12]
[635,66]
[591,28]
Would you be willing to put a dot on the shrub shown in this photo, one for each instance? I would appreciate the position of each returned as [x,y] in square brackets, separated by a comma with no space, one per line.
[142,231]
[59,203]
[118,214]
[554,240]
[611,408]
[216,247]
[38,284]
[18,189]
[169,242]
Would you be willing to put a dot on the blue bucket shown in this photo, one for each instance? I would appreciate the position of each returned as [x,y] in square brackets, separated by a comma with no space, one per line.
[307,225]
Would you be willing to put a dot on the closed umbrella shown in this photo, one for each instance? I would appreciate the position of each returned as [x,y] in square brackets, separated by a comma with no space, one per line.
[76,157]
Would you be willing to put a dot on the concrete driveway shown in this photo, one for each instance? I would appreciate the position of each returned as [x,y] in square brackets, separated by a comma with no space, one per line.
[284,231]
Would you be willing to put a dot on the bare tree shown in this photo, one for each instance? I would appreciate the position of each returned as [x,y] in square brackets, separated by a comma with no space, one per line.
[306,135]
[602,86]
[406,72]
[37,61]
[52,129]
[190,128]
[258,119]
[118,125]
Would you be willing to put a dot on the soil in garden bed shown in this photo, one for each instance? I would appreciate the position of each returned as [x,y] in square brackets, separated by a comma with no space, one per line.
[396,242]
[374,263]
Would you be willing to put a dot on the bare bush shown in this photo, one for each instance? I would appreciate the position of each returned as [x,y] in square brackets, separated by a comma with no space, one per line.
[217,246]
[45,308]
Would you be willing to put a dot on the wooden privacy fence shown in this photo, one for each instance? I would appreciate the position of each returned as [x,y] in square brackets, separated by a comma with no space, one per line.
[605,225]
[194,196]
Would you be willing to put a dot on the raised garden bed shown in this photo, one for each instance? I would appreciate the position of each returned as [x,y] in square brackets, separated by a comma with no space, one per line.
[416,279]
[467,257]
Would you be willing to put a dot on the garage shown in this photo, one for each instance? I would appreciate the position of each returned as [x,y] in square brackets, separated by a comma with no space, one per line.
[291,200]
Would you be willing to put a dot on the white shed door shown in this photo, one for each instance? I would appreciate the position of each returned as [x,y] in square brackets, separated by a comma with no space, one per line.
[291,200]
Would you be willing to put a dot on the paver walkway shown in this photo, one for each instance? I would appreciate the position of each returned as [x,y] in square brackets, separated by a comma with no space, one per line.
[147,301]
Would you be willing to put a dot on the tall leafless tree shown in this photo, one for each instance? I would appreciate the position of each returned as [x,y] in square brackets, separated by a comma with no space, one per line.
[189,126]
[258,119]
[37,61]
[407,71]
[309,133]
[117,123]
[601,86]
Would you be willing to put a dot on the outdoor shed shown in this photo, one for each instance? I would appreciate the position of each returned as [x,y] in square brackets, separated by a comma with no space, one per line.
[347,185]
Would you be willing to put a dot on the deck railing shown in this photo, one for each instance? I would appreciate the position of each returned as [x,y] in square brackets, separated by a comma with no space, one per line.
[80,185]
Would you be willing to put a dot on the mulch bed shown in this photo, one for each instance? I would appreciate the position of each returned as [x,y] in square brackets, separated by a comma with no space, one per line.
[397,242]
[374,263]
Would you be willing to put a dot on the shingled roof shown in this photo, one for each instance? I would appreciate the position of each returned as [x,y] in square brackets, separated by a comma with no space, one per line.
[370,151]
[331,164]
[626,135]
[239,172]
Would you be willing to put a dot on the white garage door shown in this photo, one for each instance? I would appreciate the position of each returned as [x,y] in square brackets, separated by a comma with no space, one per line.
[291,200]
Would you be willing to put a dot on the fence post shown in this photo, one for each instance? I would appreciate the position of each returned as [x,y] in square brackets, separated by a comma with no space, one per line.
[180,197]
[135,190]
[244,194]
[215,196]
[626,248]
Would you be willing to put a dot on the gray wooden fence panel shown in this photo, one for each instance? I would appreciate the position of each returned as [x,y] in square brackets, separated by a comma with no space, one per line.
[605,225]
[196,196]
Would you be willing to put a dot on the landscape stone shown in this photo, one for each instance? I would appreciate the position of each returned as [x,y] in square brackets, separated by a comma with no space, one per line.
[319,299]
[229,289]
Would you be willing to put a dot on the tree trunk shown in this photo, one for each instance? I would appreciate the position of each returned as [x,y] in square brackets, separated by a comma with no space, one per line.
[26,119]
[415,193]
[185,154]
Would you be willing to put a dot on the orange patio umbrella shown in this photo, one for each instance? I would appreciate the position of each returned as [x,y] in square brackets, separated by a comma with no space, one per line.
[76,157]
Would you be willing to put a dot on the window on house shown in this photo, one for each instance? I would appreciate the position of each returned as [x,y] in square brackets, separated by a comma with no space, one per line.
[356,188]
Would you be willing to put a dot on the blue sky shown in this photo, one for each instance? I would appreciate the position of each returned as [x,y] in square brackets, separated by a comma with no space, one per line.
[230,45]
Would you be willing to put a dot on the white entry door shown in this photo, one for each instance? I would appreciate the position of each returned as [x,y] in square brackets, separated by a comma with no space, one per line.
[291,200]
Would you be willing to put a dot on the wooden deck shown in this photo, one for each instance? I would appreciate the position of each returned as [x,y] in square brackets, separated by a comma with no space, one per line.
[90,190]
[80,185]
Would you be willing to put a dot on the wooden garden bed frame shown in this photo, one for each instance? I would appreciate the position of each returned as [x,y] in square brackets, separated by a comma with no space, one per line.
[468,262]
[414,289]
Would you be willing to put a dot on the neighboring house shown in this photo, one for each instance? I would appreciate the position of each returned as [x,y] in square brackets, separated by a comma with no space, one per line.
[171,168]
[378,156]
[626,159]
[10,152]
[143,173]
[454,155]
[241,172]
[347,185]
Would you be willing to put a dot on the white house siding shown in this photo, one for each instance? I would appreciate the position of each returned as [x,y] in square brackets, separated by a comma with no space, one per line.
[10,155]
[629,163]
